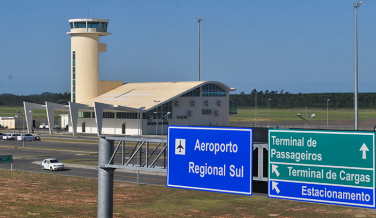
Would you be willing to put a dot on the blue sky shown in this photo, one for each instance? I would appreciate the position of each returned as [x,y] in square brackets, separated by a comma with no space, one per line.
[295,46]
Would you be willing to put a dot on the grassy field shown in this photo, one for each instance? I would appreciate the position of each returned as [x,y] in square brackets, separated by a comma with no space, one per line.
[25,194]
[248,114]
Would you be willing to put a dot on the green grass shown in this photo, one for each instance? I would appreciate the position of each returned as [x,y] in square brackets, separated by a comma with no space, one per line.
[26,194]
[248,114]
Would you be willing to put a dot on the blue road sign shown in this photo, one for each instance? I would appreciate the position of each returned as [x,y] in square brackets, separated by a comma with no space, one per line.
[334,167]
[215,159]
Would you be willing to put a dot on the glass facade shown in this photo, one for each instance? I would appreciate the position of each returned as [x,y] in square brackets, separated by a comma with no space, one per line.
[193,93]
[90,24]
[84,114]
[108,115]
[211,90]
[74,76]
[159,112]
[126,115]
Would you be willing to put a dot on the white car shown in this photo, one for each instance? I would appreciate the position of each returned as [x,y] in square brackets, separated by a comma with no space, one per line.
[43,126]
[52,164]
[26,137]
[12,136]
[5,137]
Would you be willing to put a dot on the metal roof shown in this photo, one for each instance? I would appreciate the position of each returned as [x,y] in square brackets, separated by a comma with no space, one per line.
[132,96]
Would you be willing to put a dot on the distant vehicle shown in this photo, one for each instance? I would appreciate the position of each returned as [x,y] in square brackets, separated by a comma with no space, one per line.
[12,137]
[5,137]
[43,126]
[56,126]
[52,164]
[2,134]
[36,138]
[25,137]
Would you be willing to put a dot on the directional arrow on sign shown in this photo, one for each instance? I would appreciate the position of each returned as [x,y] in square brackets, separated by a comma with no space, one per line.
[274,170]
[274,187]
[364,149]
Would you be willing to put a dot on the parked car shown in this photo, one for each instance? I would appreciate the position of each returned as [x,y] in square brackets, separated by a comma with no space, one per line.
[36,138]
[43,126]
[52,164]
[5,137]
[25,137]
[2,134]
[12,137]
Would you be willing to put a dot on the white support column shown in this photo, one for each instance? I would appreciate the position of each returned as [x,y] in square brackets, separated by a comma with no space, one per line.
[28,108]
[73,111]
[99,107]
[50,108]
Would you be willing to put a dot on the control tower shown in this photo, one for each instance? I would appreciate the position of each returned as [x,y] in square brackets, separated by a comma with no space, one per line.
[85,48]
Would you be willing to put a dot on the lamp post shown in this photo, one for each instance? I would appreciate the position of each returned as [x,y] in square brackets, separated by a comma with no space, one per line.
[138,121]
[327,113]
[312,115]
[254,90]
[23,129]
[268,110]
[156,116]
[165,117]
[356,6]
[198,47]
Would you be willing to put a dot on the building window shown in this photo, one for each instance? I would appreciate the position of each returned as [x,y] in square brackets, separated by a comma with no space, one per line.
[108,115]
[93,25]
[193,93]
[219,103]
[206,111]
[126,115]
[79,24]
[83,114]
[216,113]
[158,113]
[206,103]
[189,113]
[211,90]
[177,103]
[93,114]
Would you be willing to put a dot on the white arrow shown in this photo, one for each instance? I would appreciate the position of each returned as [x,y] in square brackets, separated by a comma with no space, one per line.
[364,149]
[274,186]
[274,170]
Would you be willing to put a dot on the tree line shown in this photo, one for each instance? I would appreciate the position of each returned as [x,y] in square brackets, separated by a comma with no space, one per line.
[279,99]
[11,100]
[287,100]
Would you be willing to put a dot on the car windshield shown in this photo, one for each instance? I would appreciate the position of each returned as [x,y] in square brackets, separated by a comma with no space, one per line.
[54,161]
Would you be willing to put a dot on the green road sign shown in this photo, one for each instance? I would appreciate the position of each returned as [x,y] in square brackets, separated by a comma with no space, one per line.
[6,159]
[335,167]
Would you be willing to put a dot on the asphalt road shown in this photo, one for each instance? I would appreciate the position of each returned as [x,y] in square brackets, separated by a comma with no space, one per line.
[27,159]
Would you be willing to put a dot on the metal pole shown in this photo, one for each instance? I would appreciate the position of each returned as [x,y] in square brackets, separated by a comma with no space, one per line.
[105,179]
[268,111]
[327,113]
[23,132]
[356,5]
[198,47]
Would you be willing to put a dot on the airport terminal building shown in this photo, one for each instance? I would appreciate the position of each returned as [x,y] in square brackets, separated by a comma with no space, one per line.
[114,107]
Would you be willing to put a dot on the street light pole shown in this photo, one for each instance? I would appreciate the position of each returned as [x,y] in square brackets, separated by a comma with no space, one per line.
[156,116]
[306,119]
[268,110]
[198,47]
[23,129]
[255,106]
[327,113]
[165,116]
[356,5]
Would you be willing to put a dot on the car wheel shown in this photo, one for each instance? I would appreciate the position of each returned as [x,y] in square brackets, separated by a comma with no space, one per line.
[43,168]
[51,169]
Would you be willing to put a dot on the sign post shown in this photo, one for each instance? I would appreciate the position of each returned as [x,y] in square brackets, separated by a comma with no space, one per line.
[334,167]
[4,159]
[210,159]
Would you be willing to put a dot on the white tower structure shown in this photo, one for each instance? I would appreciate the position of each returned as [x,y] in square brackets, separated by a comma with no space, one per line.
[85,48]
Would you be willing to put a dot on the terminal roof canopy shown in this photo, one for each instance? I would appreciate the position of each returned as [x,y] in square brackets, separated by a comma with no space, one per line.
[135,95]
